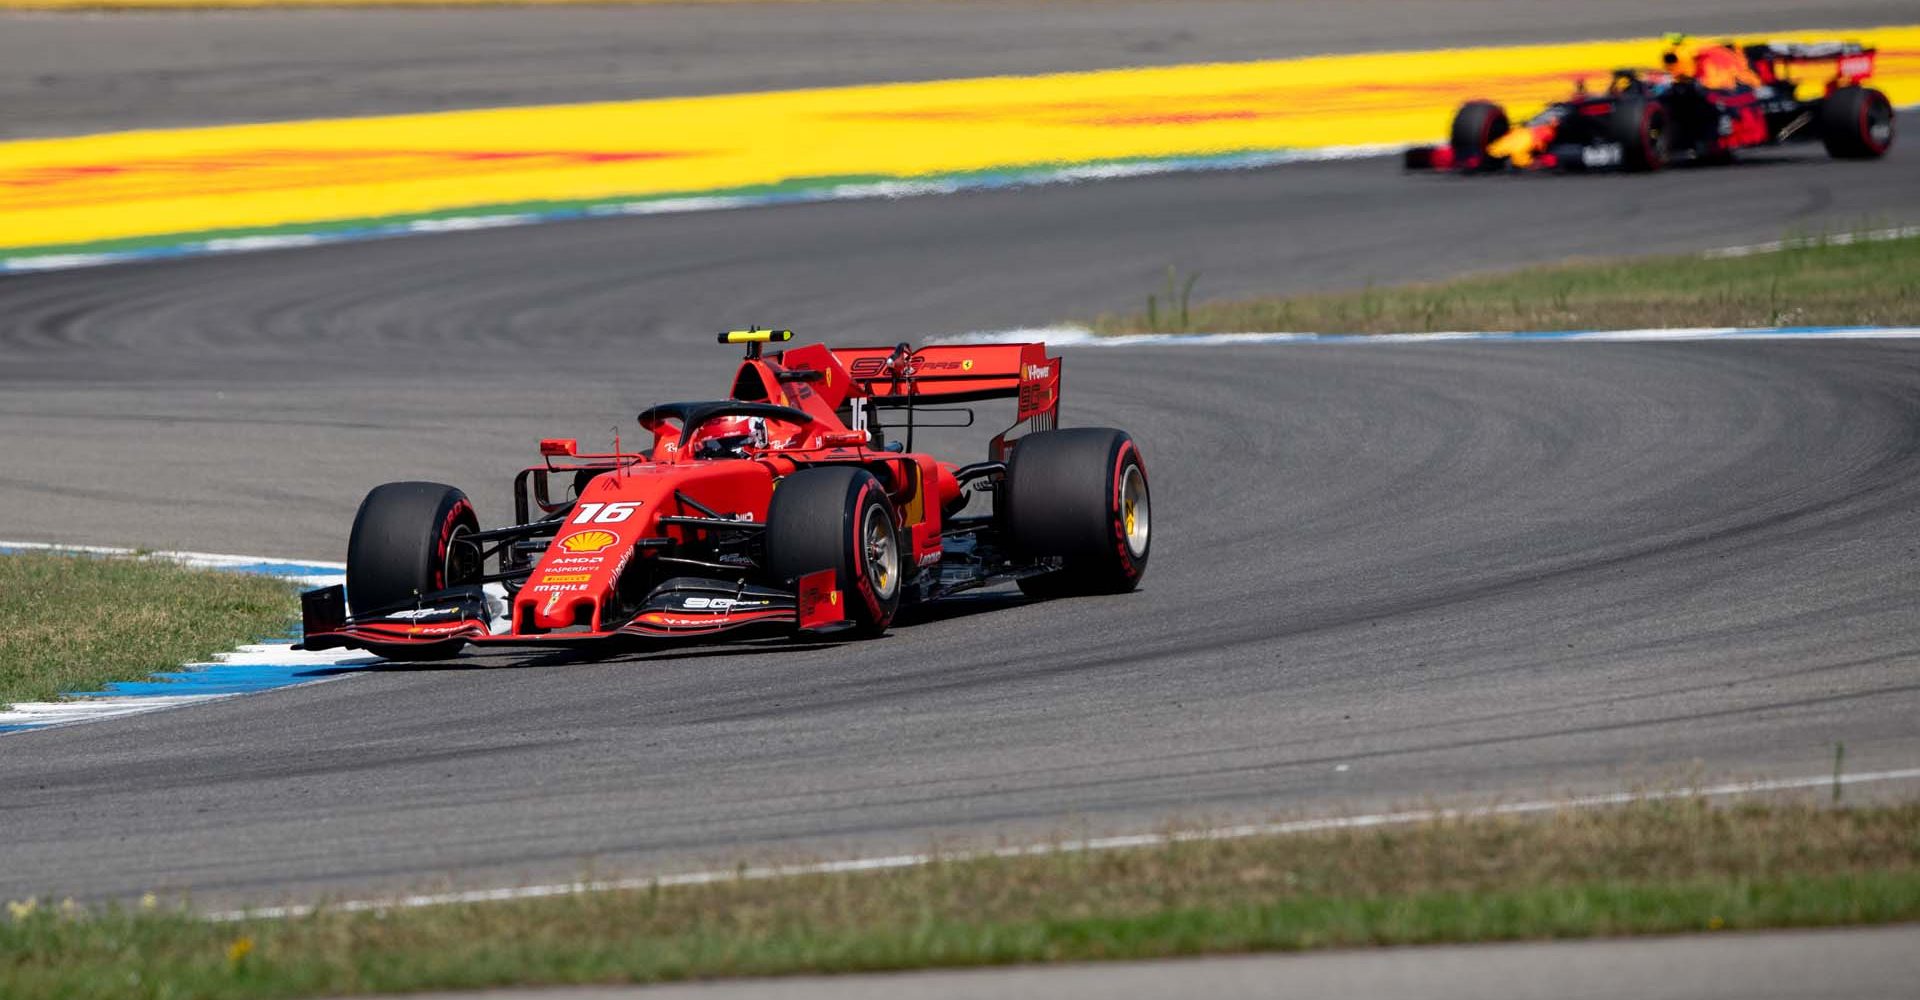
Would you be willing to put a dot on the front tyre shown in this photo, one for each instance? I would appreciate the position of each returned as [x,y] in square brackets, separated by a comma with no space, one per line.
[839,518]
[1856,123]
[1644,132]
[407,541]
[1475,126]
[1080,495]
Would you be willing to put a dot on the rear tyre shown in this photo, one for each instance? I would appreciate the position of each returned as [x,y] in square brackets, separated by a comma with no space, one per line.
[406,542]
[1080,495]
[1856,123]
[1643,130]
[1475,126]
[839,518]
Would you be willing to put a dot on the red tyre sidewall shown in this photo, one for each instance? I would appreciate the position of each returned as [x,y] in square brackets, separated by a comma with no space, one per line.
[1871,100]
[1486,134]
[1487,137]
[1652,150]
[1130,567]
[459,511]
[860,584]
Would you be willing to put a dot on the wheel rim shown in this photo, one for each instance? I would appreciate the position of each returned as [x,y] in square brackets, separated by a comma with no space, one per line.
[1656,137]
[460,565]
[1135,510]
[883,552]
[1879,126]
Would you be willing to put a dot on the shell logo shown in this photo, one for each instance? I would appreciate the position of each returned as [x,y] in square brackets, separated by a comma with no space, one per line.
[587,542]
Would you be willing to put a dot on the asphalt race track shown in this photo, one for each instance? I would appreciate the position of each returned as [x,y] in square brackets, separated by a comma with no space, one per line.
[1381,573]
[261,393]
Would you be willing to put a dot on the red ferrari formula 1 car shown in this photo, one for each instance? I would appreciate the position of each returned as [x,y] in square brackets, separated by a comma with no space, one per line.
[1647,119]
[781,508]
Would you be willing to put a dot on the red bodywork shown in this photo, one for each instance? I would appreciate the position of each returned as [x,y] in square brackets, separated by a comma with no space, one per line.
[647,504]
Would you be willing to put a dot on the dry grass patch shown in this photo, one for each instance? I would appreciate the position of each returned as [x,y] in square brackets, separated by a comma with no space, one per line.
[1866,283]
[1655,868]
[74,623]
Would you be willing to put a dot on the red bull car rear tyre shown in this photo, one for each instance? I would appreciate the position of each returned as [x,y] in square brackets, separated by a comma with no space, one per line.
[1856,123]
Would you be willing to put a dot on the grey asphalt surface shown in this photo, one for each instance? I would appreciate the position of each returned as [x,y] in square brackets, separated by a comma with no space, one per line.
[1876,964]
[1382,574]
[76,73]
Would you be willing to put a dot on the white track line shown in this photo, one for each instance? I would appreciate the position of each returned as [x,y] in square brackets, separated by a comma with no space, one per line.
[248,659]
[322,569]
[895,861]
[216,559]
[1076,336]
[1806,242]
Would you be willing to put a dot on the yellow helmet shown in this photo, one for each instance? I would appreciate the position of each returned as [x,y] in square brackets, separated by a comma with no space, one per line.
[1680,48]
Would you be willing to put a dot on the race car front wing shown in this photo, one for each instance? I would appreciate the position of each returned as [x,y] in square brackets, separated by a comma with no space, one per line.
[682,607]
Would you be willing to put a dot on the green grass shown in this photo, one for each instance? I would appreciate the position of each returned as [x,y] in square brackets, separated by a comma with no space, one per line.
[1674,866]
[1866,283]
[73,623]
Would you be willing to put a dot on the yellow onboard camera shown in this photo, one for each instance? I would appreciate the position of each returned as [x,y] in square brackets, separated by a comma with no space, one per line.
[753,337]
[756,336]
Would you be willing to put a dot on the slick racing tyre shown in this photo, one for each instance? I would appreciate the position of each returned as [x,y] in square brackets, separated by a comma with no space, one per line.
[406,541]
[1475,126]
[1856,123]
[1080,495]
[838,518]
[1642,129]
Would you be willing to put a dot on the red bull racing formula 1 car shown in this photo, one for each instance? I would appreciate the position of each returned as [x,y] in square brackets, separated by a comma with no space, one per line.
[782,508]
[1646,119]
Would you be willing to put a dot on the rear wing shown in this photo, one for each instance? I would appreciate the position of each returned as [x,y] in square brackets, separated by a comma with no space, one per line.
[1775,62]
[962,373]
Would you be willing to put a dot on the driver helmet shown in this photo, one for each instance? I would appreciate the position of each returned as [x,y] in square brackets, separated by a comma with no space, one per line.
[1679,54]
[732,436]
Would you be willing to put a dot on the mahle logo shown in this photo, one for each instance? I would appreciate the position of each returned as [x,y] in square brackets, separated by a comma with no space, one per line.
[586,542]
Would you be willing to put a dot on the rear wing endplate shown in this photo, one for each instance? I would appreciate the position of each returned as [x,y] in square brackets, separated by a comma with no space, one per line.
[961,373]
